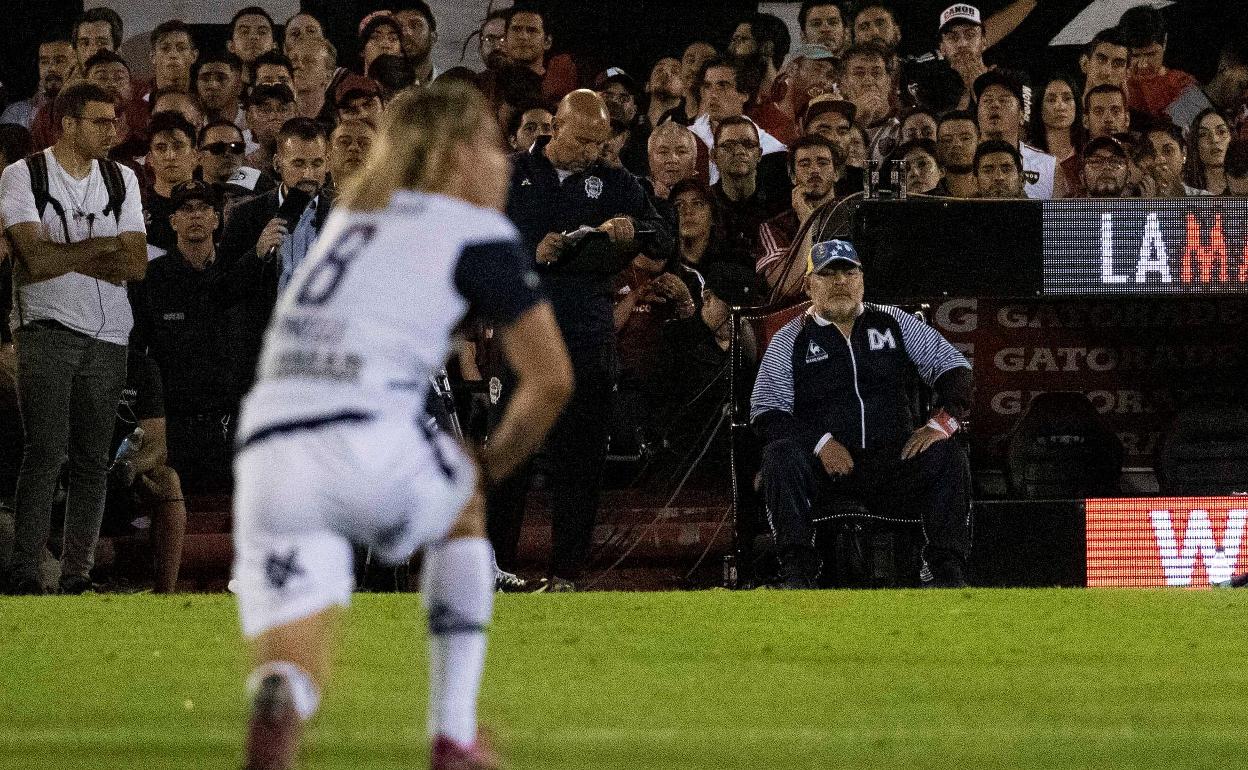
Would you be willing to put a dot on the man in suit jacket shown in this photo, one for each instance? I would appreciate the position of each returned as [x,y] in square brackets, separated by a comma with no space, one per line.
[260,249]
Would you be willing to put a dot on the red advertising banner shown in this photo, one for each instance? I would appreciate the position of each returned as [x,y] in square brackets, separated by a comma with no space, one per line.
[1134,358]
[1193,542]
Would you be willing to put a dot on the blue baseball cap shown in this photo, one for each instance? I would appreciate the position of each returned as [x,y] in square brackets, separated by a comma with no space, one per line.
[833,253]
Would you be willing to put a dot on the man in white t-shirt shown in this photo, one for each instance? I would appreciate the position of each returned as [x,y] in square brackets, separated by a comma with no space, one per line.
[75,249]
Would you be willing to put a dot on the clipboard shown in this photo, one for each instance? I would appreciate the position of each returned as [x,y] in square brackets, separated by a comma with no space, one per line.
[591,252]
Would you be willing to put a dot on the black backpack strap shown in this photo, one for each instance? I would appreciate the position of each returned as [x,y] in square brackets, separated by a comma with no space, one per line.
[115,185]
[37,165]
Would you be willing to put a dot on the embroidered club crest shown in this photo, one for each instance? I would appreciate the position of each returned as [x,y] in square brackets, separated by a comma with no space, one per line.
[496,389]
[593,187]
[815,354]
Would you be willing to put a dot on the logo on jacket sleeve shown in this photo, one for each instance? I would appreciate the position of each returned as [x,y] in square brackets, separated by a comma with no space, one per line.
[878,340]
[593,187]
[815,354]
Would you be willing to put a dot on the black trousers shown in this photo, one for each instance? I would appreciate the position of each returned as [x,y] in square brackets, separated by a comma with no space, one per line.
[201,450]
[575,453]
[931,487]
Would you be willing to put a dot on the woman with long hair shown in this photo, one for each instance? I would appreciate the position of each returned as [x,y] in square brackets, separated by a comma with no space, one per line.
[1056,126]
[335,446]
[1207,139]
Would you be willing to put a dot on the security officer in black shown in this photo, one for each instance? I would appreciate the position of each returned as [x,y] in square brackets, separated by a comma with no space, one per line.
[832,404]
[180,322]
[557,187]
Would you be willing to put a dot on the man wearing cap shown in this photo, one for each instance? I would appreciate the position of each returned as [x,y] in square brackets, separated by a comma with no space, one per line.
[962,44]
[268,107]
[1104,115]
[1105,165]
[832,404]
[811,73]
[180,323]
[358,98]
[833,119]
[621,92]
[999,100]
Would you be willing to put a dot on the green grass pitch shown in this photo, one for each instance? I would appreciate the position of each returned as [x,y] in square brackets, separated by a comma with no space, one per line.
[883,679]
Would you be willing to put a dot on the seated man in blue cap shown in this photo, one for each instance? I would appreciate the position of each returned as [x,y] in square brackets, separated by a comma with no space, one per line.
[832,406]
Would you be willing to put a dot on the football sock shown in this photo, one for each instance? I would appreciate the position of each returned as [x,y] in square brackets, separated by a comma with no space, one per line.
[457,584]
[306,696]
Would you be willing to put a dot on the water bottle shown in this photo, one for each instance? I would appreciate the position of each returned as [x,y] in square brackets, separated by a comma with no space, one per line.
[899,179]
[128,450]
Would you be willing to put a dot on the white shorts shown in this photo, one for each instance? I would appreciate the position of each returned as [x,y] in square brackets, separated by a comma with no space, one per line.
[303,496]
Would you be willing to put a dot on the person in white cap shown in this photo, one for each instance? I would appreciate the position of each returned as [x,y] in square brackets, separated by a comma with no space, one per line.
[962,43]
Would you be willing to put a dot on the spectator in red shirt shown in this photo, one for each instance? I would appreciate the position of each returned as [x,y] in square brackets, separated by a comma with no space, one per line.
[526,43]
[1153,88]
[811,73]
[812,165]
[1104,60]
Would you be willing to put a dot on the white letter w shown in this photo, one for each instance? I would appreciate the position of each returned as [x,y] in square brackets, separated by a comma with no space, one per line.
[1178,565]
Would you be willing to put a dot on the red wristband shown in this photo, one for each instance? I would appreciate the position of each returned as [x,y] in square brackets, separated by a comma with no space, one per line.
[944,422]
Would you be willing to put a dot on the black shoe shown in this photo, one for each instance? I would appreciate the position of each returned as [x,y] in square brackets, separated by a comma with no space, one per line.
[558,585]
[27,586]
[947,575]
[1240,581]
[793,577]
[75,585]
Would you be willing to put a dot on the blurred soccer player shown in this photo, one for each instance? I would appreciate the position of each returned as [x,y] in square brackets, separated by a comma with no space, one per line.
[335,446]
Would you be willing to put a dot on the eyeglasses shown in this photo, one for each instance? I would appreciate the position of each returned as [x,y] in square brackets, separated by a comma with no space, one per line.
[221,148]
[738,145]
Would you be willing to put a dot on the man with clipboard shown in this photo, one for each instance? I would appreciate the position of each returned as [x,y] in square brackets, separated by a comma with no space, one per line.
[582,220]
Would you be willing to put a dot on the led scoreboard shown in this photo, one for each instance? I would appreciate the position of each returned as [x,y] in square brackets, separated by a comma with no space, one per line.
[1172,246]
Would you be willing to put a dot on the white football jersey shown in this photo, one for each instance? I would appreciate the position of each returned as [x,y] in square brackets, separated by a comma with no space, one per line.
[368,316]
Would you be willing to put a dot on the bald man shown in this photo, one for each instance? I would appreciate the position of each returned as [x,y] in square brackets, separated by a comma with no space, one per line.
[558,186]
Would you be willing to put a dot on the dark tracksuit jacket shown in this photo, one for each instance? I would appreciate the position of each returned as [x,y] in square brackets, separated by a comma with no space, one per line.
[539,203]
[814,381]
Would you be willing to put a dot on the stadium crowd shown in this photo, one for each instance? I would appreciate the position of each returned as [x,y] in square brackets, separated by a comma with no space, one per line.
[716,172]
